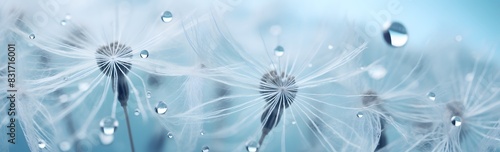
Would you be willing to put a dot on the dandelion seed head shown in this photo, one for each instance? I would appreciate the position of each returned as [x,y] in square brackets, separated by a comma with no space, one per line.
[114,59]
[278,89]
[370,98]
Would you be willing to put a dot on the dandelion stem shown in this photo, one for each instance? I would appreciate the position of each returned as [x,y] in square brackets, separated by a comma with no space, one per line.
[129,129]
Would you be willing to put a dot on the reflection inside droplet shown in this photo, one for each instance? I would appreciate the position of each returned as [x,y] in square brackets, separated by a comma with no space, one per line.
[431,96]
[252,146]
[42,144]
[396,35]
[144,54]
[205,149]
[108,125]
[456,121]
[161,108]
[167,16]
[279,51]
[359,114]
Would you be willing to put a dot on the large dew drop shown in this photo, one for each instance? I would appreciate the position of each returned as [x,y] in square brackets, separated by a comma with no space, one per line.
[32,36]
[42,144]
[252,146]
[456,121]
[279,51]
[108,125]
[170,135]
[166,16]
[396,35]
[161,108]
[205,149]
[144,54]
[431,96]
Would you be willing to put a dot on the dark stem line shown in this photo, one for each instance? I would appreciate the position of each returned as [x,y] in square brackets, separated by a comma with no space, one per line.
[129,129]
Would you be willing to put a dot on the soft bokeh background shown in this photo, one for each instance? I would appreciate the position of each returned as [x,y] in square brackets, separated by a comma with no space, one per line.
[433,27]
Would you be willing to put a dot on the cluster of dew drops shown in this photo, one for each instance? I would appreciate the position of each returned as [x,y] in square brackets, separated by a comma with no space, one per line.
[396,36]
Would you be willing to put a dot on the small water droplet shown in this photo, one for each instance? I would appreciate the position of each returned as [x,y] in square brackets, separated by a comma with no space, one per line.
[170,135]
[294,122]
[205,149]
[330,47]
[202,133]
[275,30]
[167,16]
[456,121]
[279,51]
[65,78]
[32,36]
[396,35]
[64,146]
[108,125]
[431,96]
[63,22]
[137,112]
[144,54]
[359,114]
[68,17]
[377,72]
[458,38]
[42,144]
[83,86]
[252,146]
[469,77]
[161,108]
[148,94]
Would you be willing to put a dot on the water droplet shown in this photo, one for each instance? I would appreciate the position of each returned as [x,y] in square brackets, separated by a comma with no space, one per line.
[41,144]
[144,54]
[294,122]
[68,17]
[63,22]
[65,78]
[170,135]
[167,16]
[458,38]
[64,146]
[279,51]
[396,35]
[202,133]
[431,96]
[275,30]
[108,125]
[252,146]
[330,47]
[469,77]
[148,94]
[161,108]
[32,36]
[359,114]
[83,86]
[377,72]
[456,121]
[137,112]
[205,149]
[106,139]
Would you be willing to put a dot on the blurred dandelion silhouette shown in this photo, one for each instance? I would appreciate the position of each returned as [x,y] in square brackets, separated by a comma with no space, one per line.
[466,98]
